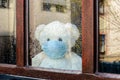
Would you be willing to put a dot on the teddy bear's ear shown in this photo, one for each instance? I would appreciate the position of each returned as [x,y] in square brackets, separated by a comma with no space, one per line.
[38,30]
[73,30]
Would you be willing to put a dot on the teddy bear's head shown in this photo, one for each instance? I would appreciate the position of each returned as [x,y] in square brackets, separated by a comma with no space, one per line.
[56,38]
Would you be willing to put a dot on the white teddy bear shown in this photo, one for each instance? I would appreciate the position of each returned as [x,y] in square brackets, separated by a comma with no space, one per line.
[56,40]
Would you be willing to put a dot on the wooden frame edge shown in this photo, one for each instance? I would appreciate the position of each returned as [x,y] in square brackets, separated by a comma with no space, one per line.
[88,36]
[20,32]
[88,50]
[30,72]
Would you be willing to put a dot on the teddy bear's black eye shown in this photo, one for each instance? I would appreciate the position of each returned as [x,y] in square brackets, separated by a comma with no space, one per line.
[60,39]
[48,39]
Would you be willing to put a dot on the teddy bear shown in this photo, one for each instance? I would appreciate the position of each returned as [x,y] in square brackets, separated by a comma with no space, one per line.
[56,40]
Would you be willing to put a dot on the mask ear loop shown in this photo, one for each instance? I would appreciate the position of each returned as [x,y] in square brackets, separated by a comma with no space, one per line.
[43,56]
[69,56]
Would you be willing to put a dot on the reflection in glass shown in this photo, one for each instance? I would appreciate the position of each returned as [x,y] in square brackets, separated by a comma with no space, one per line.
[109,36]
[4,3]
[64,17]
[8,31]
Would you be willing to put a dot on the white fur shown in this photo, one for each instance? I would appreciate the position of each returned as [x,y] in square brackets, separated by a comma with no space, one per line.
[72,62]
[55,30]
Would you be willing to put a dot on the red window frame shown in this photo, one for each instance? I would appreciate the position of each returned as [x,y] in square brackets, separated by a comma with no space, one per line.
[89,50]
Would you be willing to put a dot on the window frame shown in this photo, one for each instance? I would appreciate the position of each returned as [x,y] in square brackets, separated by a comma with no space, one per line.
[89,47]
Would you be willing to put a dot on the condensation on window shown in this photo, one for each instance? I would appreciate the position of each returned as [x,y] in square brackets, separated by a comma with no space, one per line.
[8,31]
[60,13]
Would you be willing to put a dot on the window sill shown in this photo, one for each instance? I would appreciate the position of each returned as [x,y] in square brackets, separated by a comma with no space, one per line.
[108,75]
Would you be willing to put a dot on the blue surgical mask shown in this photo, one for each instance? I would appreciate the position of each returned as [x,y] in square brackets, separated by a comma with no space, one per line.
[55,49]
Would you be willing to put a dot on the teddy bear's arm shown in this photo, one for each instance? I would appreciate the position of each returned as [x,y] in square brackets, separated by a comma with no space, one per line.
[76,62]
[36,60]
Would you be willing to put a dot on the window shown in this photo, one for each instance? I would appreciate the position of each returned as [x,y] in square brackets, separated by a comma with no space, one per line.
[4,3]
[46,6]
[90,42]
[109,62]
[102,44]
[8,33]
[53,7]
[53,35]
[101,6]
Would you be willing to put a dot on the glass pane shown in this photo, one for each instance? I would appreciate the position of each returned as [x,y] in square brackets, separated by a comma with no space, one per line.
[8,31]
[55,34]
[109,36]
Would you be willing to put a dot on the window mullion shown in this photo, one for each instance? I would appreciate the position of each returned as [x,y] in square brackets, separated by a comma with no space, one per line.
[20,33]
[88,36]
